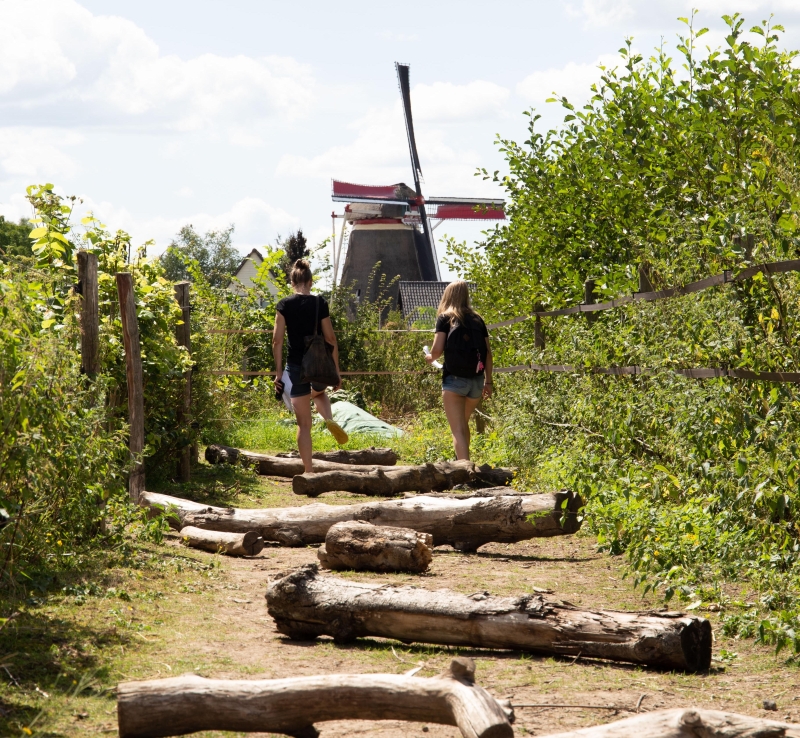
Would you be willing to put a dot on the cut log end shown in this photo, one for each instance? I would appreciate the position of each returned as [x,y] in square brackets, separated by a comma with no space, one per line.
[361,546]
[249,543]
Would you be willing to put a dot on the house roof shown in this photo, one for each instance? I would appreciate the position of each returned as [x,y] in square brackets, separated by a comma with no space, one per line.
[415,299]
[254,255]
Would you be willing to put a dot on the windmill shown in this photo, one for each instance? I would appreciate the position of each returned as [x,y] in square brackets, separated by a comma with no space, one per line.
[392,224]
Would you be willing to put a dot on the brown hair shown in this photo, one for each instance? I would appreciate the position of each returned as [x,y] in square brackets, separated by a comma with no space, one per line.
[301,272]
[455,301]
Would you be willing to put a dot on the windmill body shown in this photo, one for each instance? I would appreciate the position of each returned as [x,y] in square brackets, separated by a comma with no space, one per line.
[391,225]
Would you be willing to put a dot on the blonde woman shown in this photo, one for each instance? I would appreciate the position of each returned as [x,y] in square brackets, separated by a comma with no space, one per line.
[462,337]
[295,318]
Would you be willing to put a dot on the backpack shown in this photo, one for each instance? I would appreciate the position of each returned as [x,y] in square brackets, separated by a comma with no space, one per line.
[465,350]
[318,365]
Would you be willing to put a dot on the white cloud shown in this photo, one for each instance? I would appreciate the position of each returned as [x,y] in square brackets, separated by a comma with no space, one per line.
[57,58]
[572,81]
[445,101]
[602,12]
[36,154]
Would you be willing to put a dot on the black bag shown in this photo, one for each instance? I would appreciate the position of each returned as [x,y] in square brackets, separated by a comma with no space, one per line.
[318,365]
[465,350]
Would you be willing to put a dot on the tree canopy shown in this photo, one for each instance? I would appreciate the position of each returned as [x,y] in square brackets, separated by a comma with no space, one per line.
[213,252]
[14,238]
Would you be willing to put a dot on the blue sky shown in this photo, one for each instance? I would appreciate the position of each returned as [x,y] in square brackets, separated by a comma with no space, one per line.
[164,113]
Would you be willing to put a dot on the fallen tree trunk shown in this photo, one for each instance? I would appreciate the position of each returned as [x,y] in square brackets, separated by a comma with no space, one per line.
[274,466]
[305,605]
[392,481]
[687,723]
[189,703]
[359,545]
[371,456]
[233,544]
[464,524]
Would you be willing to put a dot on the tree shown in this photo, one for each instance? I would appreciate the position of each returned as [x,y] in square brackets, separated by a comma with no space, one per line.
[14,238]
[214,252]
[294,247]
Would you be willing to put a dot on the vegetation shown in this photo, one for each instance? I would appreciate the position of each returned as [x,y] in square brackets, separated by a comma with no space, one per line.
[294,247]
[669,169]
[214,254]
[14,241]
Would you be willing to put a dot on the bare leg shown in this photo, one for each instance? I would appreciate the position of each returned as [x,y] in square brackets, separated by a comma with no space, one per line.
[302,411]
[456,412]
[323,404]
[469,407]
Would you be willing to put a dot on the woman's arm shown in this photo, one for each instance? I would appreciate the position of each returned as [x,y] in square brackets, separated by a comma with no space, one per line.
[487,385]
[277,345]
[438,347]
[330,337]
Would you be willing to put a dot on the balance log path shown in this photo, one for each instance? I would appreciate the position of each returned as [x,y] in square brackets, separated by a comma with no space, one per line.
[385,482]
[189,703]
[290,466]
[687,723]
[464,524]
[305,605]
[359,545]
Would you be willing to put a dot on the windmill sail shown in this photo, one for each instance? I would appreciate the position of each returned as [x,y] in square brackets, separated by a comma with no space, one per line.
[428,263]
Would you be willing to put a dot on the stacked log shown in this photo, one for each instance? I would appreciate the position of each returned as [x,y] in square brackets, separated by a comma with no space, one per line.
[189,703]
[305,605]
[359,545]
[464,524]
[232,544]
[371,456]
[392,481]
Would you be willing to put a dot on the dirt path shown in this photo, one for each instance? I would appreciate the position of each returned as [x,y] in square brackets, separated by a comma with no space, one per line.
[202,614]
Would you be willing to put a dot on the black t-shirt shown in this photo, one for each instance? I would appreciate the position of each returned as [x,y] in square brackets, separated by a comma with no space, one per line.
[299,311]
[446,325]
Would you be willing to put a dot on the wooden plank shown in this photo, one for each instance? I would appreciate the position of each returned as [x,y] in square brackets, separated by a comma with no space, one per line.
[90,316]
[133,369]
[183,335]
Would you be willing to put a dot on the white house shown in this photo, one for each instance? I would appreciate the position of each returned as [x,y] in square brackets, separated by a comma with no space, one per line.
[247,271]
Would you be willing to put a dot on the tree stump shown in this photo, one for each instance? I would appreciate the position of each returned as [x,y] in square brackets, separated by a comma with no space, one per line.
[359,545]
[305,605]
[464,524]
[232,544]
[189,703]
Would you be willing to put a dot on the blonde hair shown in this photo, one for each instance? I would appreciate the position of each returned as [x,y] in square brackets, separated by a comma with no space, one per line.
[301,272]
[455,301]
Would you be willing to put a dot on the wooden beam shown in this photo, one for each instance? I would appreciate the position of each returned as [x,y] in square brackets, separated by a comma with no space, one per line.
[183,335]
[90,316]
[133,368]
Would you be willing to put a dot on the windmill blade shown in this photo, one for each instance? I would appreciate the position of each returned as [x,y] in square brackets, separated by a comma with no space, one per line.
[466,208]
[405,91]
[396,194]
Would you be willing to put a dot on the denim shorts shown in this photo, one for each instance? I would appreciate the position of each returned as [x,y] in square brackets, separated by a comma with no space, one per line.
[301,389]
[472,388]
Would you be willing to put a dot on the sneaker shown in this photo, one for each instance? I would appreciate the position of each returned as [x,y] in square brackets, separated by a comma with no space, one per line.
[337,432]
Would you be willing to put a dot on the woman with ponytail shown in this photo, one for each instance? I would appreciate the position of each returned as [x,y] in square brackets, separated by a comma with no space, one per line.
[298,316]
[462,337]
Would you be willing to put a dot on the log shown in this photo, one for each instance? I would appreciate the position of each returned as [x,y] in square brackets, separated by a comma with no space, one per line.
[688,723]
[371,456]
[274,466]
[305,605]
[386,482]
[359,545]
[190,703]
[232,544]
[464,524]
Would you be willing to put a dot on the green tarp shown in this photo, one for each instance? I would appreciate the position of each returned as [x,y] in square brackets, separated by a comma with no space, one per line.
[355,420]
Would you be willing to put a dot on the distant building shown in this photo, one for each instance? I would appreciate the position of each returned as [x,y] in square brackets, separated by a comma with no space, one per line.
[418,302]
[246,273]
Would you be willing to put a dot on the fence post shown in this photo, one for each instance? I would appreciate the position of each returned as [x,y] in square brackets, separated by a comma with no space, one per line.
[183,335]
[588,297]
[90,318]
[645,284]
[133,367]
[538,331]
